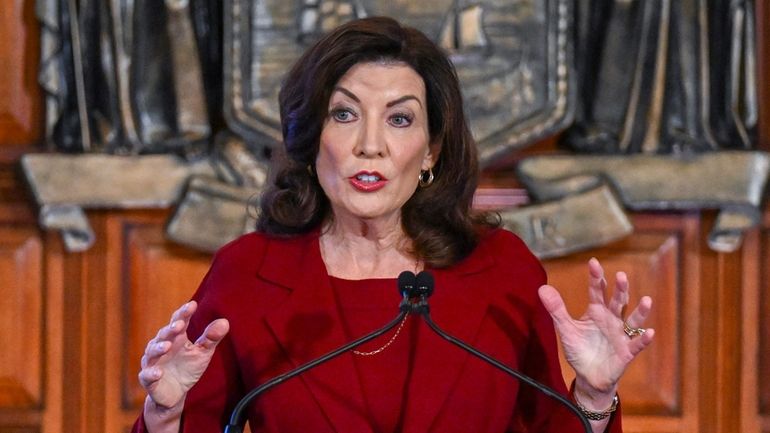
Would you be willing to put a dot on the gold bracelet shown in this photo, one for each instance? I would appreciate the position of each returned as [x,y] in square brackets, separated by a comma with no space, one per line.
[598,416]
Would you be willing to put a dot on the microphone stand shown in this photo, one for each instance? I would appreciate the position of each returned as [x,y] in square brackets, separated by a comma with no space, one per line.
[415,300]
[424,288]
[236,423]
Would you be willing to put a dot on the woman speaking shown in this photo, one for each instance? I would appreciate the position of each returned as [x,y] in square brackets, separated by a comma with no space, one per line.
[376,177]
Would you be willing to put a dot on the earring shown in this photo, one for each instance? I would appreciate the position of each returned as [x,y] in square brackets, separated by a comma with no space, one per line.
[421,178]
[310,170]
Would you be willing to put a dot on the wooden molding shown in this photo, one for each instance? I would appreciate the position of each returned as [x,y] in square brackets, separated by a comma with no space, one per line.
[21,319]
[653,257]
[148,277]
[20,95]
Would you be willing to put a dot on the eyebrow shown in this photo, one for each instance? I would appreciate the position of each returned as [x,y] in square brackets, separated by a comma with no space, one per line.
[403,99]
[347,92]
[397,101]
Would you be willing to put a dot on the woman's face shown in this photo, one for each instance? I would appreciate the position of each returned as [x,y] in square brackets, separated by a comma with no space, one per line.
[374,141]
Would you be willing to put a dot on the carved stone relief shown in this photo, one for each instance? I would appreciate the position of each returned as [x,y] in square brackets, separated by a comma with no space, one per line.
[513,58]
[671,85]
[658,83]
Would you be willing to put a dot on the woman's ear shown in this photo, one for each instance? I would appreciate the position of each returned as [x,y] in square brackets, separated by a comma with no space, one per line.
[434,149]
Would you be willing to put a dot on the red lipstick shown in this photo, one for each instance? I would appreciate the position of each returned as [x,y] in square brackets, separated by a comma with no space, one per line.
[367,181]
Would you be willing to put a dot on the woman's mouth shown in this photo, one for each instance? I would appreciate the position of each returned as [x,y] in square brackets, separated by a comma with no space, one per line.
[366,181]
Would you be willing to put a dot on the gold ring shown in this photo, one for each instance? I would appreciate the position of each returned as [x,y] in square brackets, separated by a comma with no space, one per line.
[632,332]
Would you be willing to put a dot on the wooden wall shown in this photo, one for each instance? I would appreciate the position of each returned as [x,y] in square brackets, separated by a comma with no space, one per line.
[73,326]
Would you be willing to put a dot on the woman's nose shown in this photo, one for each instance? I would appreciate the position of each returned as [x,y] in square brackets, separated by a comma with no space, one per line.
[371,141]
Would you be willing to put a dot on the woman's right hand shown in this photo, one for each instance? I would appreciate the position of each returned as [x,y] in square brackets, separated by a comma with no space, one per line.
[172,364]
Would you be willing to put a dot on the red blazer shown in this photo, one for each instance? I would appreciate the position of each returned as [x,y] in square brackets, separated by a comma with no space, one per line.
[277,296]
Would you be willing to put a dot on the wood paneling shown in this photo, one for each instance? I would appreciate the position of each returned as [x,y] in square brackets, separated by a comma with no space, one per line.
[751,375]
[653,259]
[20,96]
[21,319]
[20,430]
[719,349]
[30,331]
[759,306]
[764,323]
[148,278]
[53,417]
[94,312]
[83,306]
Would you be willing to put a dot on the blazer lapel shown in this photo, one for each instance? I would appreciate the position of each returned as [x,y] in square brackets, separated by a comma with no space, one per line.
[458,305]
[308,325]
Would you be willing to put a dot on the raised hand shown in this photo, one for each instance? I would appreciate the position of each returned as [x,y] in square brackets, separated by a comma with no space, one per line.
[172,364]
[597,345]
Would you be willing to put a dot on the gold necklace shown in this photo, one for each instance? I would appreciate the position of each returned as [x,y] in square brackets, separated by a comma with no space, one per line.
[392,339]
[398,330]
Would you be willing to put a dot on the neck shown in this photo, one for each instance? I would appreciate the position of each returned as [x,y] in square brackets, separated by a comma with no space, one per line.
[363,249]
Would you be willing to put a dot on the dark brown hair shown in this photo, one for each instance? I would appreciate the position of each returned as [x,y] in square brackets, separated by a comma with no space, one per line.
[438,218]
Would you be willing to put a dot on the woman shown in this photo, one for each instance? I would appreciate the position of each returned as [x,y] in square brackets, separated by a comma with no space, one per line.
[378,178]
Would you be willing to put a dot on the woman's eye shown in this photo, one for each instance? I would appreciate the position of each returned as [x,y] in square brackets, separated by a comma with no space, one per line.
[400,120]
[342,115]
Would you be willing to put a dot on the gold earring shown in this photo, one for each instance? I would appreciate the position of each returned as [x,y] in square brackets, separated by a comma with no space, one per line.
[421,178]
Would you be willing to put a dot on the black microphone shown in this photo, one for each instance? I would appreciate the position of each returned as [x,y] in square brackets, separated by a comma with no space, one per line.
[424,284]
[413,286]
[415,290]
[406,282]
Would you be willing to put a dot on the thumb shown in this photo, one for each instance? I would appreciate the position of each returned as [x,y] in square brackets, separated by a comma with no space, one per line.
[554,304]
[213,334]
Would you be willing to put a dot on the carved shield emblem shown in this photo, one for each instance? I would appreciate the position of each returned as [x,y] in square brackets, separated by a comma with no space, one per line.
[513,58]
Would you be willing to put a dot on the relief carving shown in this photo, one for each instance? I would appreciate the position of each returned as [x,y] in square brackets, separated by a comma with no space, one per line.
[656,97]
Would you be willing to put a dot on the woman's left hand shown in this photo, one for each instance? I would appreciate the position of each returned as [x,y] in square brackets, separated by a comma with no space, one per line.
[597,344]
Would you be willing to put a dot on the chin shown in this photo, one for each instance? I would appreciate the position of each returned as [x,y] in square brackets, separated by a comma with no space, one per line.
[371,213]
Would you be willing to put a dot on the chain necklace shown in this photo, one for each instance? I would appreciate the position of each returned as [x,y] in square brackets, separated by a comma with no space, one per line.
[398,330]
[385,346]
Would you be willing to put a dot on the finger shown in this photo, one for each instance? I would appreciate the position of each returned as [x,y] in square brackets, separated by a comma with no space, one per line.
[171,331]
[213,334]
[620,296]
[636,345]
[637,317]
[184,312]
[148,376]
[597,285]
[554,304]
[151,343]
[154,352]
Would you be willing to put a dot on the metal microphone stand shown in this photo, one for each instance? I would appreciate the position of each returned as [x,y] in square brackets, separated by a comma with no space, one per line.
[424,289]
[415,291]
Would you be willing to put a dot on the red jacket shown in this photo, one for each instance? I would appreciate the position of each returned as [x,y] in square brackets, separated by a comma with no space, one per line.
[277,296]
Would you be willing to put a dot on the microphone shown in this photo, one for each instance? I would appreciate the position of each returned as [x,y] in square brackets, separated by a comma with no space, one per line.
[406,282]
[425,284]
[415,291]
[414,286]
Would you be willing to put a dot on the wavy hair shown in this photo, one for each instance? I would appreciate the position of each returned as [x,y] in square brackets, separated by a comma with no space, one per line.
[438,219]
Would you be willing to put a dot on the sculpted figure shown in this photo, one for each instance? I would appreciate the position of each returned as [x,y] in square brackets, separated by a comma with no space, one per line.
[131,76]
[662,76]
